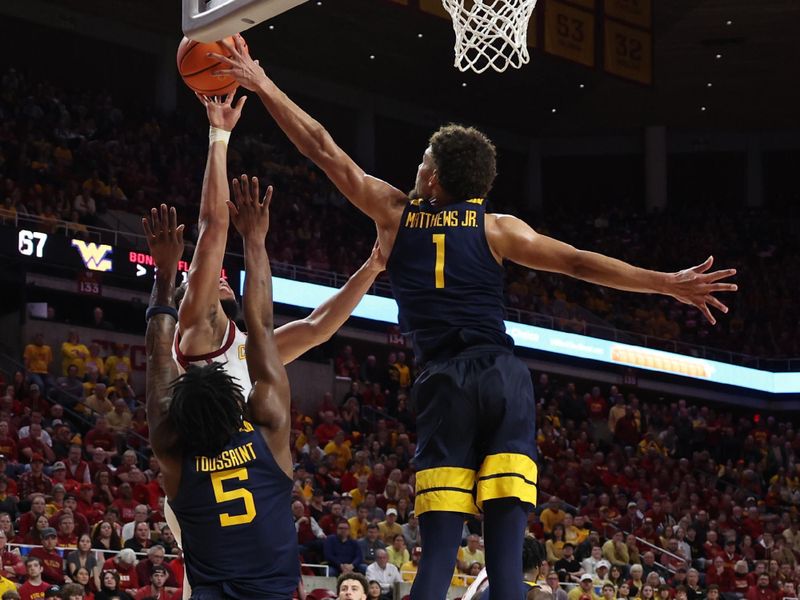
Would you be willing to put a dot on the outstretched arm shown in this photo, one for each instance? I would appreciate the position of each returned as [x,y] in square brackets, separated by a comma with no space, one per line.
[516,241]
[298,337]
[165,240]
[201,308]
[381,201]
[269,399]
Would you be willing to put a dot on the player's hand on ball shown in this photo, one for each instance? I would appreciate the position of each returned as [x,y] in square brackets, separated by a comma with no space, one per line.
[222,112]
[696,285]
[250,215]
[240,65]
[164,237]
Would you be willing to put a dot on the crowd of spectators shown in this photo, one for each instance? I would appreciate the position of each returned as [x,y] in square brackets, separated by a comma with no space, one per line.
[652,496]
[71,156]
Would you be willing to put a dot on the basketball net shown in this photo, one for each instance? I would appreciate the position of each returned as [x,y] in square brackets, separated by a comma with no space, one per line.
[490,33]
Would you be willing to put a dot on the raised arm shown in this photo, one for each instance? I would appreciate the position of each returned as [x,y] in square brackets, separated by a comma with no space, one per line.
[269,399]
[165,240]
[513,239]
[381,201]
[298,337]
[201,307]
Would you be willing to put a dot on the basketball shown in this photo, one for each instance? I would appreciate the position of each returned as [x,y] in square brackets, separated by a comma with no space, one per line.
[196,67]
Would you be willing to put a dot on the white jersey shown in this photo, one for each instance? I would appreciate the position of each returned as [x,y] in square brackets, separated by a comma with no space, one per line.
[231,354]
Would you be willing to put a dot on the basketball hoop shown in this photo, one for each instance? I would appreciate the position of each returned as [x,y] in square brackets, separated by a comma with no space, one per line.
[490,33]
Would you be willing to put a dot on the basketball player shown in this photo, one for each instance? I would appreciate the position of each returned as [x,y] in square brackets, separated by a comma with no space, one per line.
[476,448]
[226,462]
[207,304]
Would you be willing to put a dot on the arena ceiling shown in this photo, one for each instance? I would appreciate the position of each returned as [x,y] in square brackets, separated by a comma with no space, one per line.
[753,85]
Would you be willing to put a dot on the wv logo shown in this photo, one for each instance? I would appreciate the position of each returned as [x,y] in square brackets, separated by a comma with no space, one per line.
[94,256]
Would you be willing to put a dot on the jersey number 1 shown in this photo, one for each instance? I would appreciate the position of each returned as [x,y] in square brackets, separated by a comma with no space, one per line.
[438,240]
[227,519]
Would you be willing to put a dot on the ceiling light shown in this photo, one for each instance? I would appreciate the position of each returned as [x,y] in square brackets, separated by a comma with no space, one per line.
[702,109]
[580,85]
[464,84]
[272,26]
[552,110]
[719,56]
[372,57]
[419,35]
[709,84]
[728,22]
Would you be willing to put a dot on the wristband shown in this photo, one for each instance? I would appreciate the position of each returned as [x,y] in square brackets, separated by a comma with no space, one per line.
[218,135]
[152,311]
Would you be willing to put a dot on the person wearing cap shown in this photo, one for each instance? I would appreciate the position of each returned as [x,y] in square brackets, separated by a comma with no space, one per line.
[584,590]
[568,564]
[34,586]
[54,591]
[601,573]
[124,565]
[390,527]
[408,570]
[50,559]
[157,589]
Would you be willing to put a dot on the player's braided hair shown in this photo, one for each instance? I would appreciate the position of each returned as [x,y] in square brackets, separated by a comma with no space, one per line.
[207,409]
[532,554]
[465,161]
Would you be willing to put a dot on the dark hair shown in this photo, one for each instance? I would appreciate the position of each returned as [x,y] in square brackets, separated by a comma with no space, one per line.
[354,577]
[532,554]
[207,409]
[465,161]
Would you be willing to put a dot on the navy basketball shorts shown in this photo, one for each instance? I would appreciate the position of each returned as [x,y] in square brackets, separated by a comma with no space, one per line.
[476,432]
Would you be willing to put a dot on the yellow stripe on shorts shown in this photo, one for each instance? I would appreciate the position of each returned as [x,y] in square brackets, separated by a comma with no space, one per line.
[507,476]
[446,489]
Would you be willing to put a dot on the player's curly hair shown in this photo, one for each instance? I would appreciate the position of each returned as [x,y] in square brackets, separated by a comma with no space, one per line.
[466,161]
[207,409]
[533,554]
[352,577]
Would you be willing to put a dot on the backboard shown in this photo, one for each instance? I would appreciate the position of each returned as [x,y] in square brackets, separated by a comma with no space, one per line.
[212,20]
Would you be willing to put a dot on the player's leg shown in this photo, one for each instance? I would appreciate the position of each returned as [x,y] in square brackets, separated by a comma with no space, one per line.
[441,535]
[506,488]
[446,470]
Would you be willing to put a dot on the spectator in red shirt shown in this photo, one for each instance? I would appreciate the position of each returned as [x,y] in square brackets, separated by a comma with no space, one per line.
[28,519]
[71,508]
[154,561]
[34,481]
[158,588]
[721,576]
[33,445]
[12,565]
[50,559]
[376,482]
[67,538]
[77,468]
[101,437]
[329,521]
[124,565]
[8,446]
[125,504]
[34,587]
[762,590]
[58,475]
[99,463]
[326,430]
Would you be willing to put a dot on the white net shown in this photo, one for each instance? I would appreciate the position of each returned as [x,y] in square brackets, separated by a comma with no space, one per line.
[490,33]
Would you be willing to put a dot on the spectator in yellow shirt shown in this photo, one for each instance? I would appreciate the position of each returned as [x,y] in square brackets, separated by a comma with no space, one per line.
[360,493]
[95,361]
[98,402]
[118,365]
[38,357]
[584,590]
[390,528]
[398,553]
[74,353]
[409,569]
[471,553]
[552,515]
[341,448]
[359,523]
[119,419]
[403,371]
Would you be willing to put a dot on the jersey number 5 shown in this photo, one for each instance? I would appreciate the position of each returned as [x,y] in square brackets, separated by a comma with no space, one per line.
[438,240]
[227,519]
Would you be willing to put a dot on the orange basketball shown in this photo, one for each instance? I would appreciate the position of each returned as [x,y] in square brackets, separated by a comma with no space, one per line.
[196,68]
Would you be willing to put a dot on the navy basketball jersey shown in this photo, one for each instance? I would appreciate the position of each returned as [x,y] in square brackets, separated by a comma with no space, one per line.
[237,530]
[447,283]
